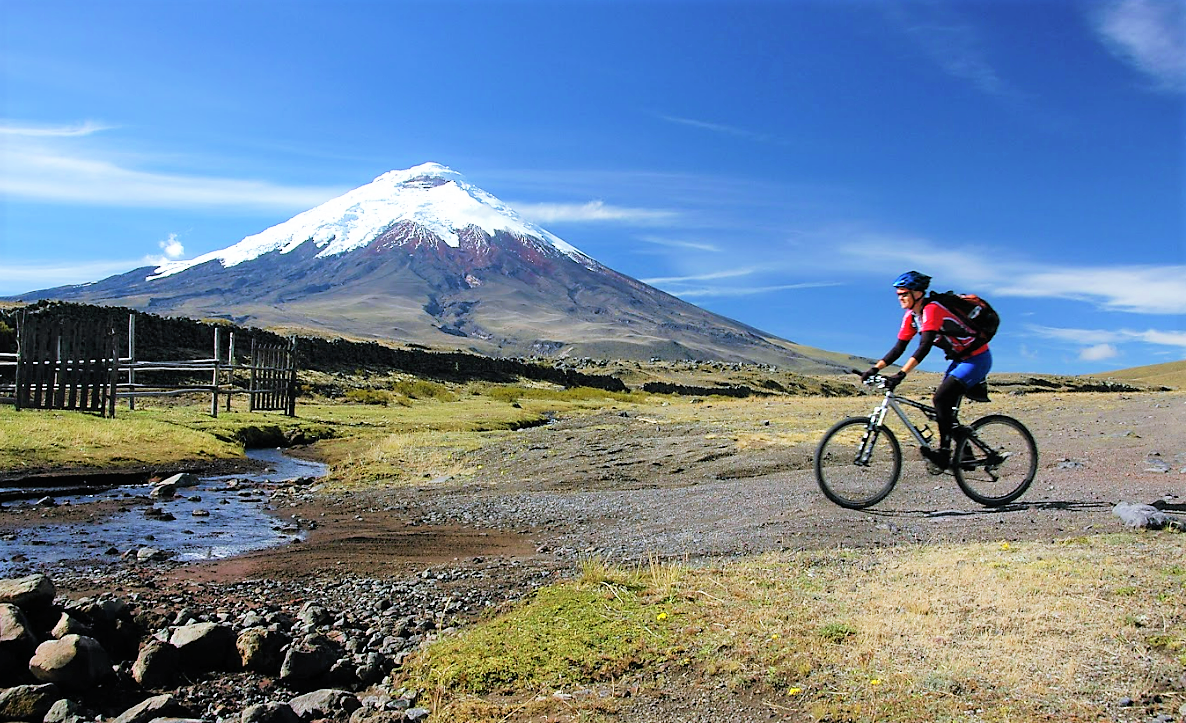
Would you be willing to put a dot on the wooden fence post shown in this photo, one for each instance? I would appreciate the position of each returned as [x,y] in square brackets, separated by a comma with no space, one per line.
[132,361]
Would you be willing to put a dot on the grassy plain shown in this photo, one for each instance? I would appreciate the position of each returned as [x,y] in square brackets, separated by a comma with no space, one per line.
[974,632]
[982,632]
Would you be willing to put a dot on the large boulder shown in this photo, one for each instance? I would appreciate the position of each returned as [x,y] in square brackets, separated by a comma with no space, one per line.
[30,593]
[157,664]
[75,661]
[262,650]
[205,646]
[28,702]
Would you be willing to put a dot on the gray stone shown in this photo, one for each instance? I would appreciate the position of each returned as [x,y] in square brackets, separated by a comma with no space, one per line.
[261,650]
[27,702]
[416,714]
[31,592]
[205,646]
[325,703]
[157,664]
[75,661]
[161,706]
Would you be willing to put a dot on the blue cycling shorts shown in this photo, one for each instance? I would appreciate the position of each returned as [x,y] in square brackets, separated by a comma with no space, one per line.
[973,370]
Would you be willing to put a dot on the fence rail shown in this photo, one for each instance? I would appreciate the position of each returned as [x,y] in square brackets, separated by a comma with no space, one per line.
[64,366]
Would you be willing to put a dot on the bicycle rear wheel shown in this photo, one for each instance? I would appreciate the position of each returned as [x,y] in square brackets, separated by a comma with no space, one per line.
[856,465]
[997,461]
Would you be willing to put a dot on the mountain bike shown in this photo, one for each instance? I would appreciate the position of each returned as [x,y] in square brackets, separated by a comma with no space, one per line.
[859,460]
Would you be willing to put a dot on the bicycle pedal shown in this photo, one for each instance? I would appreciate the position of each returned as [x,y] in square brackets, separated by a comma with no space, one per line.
[934,469]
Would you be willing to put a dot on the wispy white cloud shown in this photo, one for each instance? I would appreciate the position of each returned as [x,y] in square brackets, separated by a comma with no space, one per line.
[9,128]
[710,276]
[735,291]
[1150,35]
[593,211]
[1131,288]
[62,164]
[951,42]
[680,244]
[720,128]
[1092,338]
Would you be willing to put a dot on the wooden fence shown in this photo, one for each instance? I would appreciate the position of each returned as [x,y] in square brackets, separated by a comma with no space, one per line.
[65,366]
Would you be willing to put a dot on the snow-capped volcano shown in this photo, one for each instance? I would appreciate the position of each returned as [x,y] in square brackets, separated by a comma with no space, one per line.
[434,197]
[422,256]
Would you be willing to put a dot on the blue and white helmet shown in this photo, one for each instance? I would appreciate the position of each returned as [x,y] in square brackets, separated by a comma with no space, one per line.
[912,280]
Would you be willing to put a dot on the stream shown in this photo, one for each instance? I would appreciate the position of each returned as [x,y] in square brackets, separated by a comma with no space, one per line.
[222,516]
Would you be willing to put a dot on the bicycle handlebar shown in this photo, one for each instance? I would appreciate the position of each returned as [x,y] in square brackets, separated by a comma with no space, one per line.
[877,380]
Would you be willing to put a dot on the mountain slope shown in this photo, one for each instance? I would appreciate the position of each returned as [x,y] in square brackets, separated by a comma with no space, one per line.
[422,256]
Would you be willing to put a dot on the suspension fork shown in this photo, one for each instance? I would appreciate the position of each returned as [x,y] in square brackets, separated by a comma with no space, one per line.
[872,432]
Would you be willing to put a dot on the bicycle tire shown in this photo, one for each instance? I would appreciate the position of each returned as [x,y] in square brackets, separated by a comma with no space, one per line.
[997,477]
[845,481]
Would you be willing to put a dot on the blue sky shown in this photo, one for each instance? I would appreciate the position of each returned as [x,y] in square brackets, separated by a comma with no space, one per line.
[776,162]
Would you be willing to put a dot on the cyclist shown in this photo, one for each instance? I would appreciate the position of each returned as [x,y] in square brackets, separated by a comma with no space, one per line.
[937,326]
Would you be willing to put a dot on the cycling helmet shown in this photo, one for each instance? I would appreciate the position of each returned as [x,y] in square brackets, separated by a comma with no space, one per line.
[912,280]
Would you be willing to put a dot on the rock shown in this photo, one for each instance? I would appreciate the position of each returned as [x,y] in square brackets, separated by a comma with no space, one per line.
[183,479]
[325,703]
[157,664]
[205,646]
[309,660]
[371,715]
[163,491]
[69,625]
[161,706]
[67,711]
[1140,516]
[149,554]
[75,661]
[16,635]
[416,714]
[269,713]
[261,650]
[28,592]
[28,702]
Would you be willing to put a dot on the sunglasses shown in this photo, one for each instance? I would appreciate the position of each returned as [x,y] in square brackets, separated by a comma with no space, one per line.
[903,292]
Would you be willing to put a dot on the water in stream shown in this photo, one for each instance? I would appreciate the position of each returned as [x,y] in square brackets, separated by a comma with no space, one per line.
[229,521]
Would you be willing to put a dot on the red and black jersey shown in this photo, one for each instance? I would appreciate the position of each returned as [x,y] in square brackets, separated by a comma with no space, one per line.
[951,335]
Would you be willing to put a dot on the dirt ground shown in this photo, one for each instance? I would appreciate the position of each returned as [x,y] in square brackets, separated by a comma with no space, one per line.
[723,482]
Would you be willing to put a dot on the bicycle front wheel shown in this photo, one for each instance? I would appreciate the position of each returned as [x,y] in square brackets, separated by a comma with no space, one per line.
[997,461]
[857,464]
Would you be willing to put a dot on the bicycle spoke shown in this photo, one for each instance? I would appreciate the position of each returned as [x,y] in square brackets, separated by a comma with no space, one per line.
[857,468]
[997,462]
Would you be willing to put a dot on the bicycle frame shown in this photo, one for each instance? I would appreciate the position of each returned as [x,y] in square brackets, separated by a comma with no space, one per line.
[894,402]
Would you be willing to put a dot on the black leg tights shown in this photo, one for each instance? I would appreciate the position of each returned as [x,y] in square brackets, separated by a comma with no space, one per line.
[947,396]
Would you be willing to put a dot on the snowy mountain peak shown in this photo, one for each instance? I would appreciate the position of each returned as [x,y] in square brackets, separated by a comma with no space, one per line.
[429,195]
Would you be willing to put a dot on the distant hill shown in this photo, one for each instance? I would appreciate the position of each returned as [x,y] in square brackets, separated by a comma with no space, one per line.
[1169,374]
